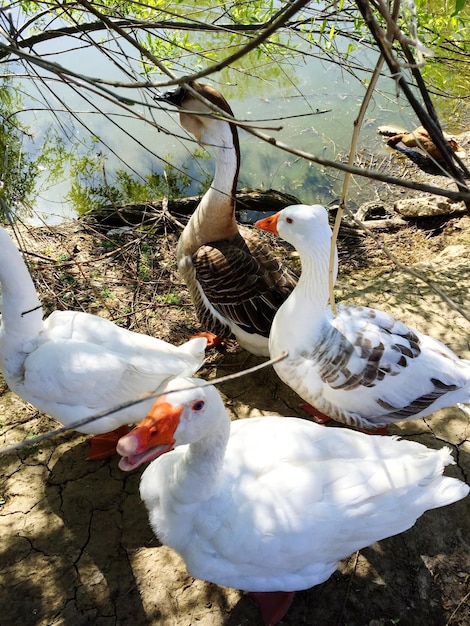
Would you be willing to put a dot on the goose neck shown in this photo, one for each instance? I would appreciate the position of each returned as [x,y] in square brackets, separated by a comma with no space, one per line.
[214,218]
[199,473]
[221,140]
[20,306]
[313,281]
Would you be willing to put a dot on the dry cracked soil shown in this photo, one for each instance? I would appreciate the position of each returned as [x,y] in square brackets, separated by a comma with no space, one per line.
[76,547]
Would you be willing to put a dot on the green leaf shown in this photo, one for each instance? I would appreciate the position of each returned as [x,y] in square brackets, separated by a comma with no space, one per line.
[459,5]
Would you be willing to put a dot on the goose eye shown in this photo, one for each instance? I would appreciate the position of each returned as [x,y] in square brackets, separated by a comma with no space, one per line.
[289,220]
[197,406]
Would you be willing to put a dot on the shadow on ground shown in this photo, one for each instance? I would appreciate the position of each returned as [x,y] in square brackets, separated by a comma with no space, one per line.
[76,547]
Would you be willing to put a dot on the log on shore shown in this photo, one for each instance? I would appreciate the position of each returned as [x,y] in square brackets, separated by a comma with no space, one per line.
[115,216]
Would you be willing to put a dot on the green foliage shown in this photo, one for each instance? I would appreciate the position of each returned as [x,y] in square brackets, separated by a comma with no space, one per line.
[68,279]
[444,24]
[32,449]
[110,244]
[53,157]
[191,51]
[188,48]
[172,297]
[459,7]
[18,171]
[90,188]
[145,261]
[444,28]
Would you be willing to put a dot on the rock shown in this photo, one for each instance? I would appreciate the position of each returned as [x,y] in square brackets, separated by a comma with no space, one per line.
[428,206]
[376,215]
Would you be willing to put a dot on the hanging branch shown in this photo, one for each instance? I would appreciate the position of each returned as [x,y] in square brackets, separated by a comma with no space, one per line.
[94,85]
[133,24]
[426,118]
[280,20]
[352,155]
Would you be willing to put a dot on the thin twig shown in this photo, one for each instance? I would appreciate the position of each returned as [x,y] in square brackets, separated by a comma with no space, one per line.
[339,621]
[352,156]
[461,603]
[92,418]
[410,270]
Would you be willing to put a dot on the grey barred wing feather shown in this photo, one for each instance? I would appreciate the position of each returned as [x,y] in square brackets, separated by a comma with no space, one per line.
[243,281]
[363,345]
[359,366]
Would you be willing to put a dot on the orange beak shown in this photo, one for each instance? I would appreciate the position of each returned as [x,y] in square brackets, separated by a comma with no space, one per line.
[269,224]
[152,437]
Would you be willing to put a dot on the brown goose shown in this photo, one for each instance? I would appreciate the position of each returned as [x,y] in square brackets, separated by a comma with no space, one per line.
[419,138]
[235,281]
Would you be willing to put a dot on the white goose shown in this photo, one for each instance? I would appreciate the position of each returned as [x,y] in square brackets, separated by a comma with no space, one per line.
[271,504]
[235,281]
[361,366]
[73,364]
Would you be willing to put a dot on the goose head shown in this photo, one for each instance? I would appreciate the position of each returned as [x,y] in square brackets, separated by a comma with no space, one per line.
[303,226]
[306,228]
[185,414]
[195,116]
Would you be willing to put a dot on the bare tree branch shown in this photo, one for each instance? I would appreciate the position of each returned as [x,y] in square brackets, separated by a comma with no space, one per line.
[455,166]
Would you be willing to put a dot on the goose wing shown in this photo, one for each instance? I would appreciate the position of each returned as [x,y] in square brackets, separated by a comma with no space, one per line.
[299,497]
[243,281]
[373,365]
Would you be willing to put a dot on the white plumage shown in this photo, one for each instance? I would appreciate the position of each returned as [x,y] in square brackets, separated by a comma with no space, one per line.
[360,366]
[272,503]
[73,364]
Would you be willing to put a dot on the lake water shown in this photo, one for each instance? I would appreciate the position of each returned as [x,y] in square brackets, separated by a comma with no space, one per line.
[131,143]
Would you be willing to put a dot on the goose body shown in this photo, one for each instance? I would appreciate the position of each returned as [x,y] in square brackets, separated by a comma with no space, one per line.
[235,281]
[73,365]
[270,504]
[361,366]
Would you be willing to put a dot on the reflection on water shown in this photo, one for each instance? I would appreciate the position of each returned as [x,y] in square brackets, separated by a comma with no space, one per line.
[312,108]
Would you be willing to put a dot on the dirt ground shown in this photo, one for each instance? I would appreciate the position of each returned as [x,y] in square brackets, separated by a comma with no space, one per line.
[76,547]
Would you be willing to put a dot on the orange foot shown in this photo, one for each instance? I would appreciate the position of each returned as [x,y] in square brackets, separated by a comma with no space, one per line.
[212,340]
[318,416]
[104,445]
[383,430]
[273,604]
